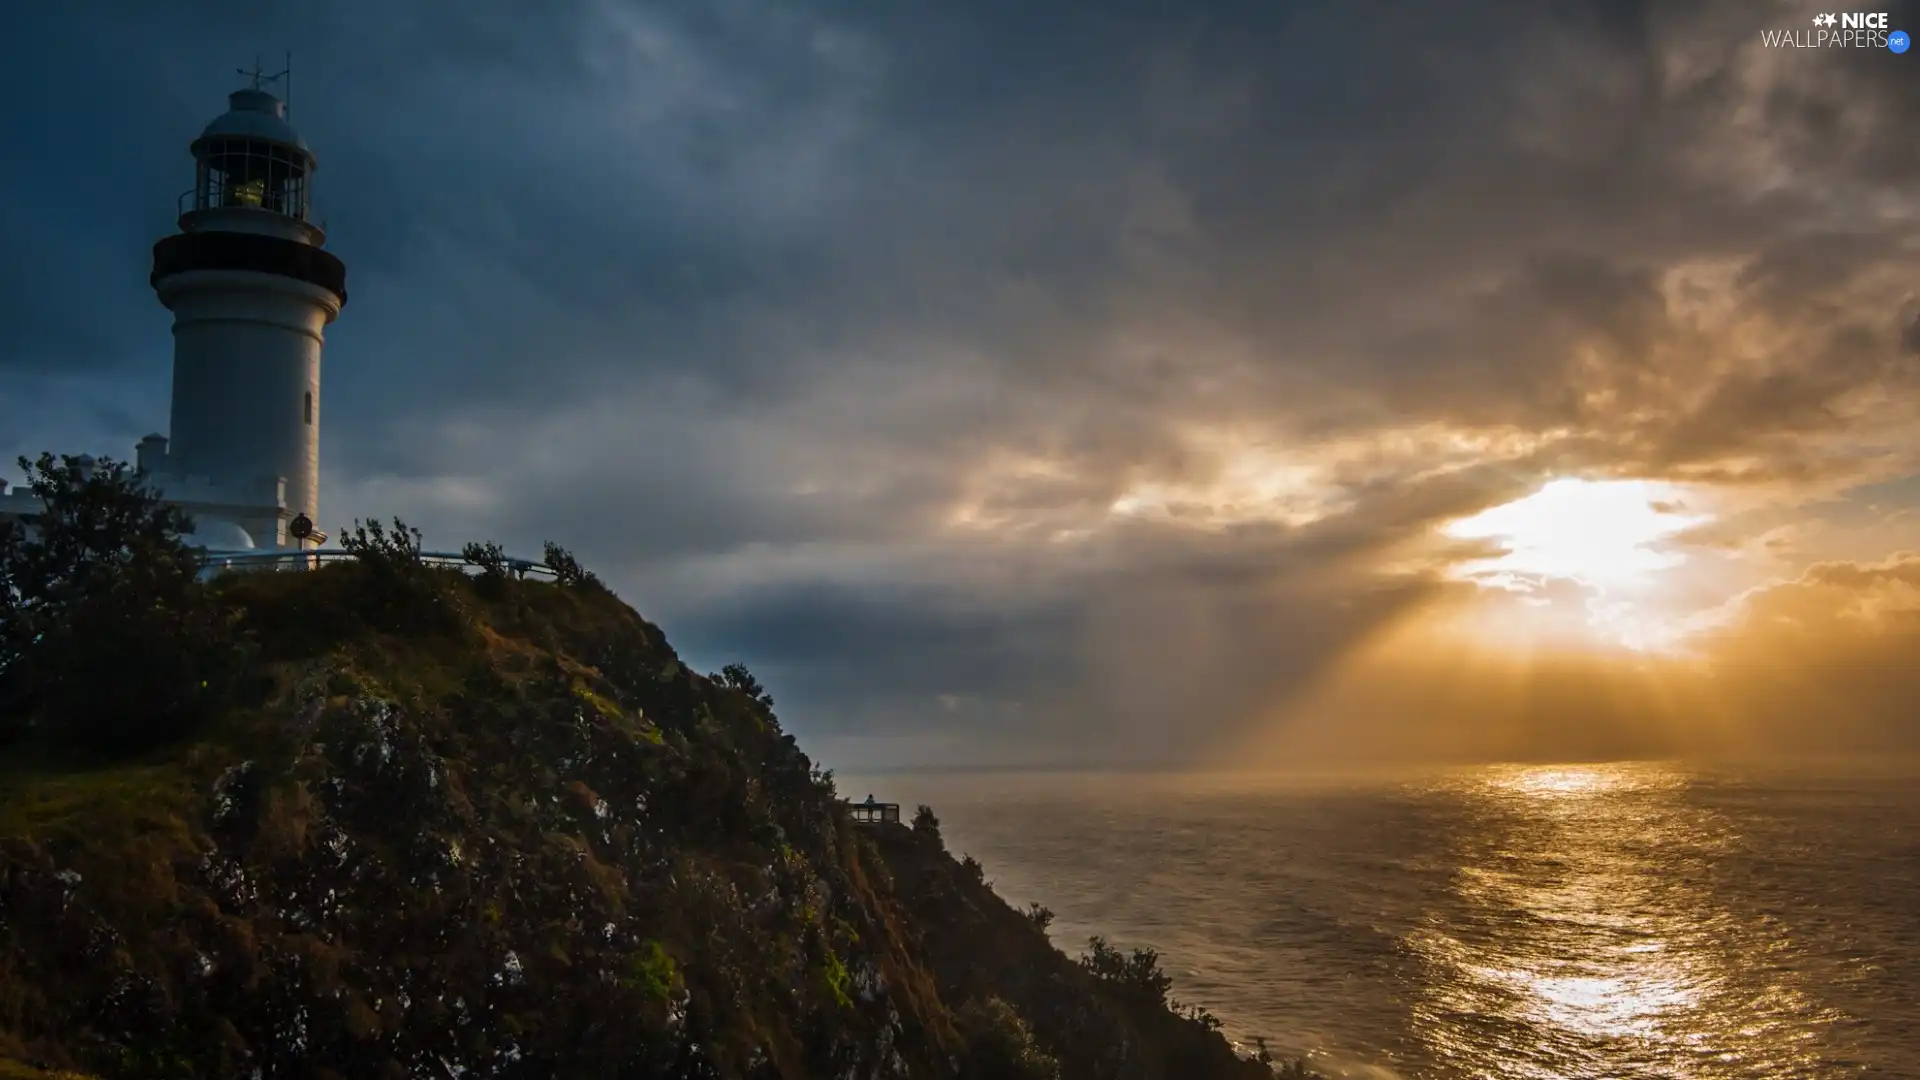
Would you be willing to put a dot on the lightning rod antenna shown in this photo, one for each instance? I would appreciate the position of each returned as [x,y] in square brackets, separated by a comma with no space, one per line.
[261,78]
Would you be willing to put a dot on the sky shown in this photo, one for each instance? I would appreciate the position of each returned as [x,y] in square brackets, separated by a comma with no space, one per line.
[1083,384]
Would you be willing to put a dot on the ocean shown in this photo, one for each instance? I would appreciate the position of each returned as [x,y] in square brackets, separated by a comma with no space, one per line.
[1575,921]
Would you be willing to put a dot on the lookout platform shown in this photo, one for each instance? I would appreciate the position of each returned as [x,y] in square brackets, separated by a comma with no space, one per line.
[874,813]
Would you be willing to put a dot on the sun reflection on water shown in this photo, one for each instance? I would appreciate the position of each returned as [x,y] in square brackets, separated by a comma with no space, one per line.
[1558,781]
[1574,929]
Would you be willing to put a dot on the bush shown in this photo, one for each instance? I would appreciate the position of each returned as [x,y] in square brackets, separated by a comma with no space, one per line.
[396,553]
[737,677]
[402,594]
[823,782]
[926,826]
[567,569]
[1000,1045]
[1040,915]
[495,568]
[109,642]
[1136,979]
[490,557]
[1196,1014]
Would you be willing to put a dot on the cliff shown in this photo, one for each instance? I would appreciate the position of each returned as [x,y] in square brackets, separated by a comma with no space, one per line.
[453,826]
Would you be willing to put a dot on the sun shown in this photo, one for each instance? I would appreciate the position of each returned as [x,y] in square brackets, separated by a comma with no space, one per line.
[1587,555]
[1605,533]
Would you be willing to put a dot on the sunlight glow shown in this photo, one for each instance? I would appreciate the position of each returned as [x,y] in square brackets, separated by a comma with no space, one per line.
[1598,532]
[1586,557]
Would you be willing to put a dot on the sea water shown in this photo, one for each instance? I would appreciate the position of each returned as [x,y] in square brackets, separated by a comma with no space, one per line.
[1574,921]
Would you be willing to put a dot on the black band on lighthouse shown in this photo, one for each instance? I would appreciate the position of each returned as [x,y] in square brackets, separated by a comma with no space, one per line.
[249,251]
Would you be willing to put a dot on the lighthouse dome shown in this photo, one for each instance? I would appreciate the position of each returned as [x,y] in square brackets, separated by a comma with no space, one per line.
[255,114]
[214,534]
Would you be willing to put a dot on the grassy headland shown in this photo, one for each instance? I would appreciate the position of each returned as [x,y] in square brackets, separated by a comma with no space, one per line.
[416,823]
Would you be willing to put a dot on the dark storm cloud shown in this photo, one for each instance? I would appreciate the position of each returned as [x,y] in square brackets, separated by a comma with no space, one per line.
[832,332]
[910,640]
[1119,652]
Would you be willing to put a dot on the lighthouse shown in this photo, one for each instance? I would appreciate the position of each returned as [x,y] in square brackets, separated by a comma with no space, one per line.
[252,290]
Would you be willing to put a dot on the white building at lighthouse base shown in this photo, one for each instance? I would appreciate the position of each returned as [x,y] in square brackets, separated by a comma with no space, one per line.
[226,519]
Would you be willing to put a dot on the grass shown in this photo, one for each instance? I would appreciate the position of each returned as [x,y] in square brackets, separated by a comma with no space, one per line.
[14,1070]
[42,801]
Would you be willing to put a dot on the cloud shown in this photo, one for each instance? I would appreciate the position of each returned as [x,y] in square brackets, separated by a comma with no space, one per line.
[1824,661]
[1102,367]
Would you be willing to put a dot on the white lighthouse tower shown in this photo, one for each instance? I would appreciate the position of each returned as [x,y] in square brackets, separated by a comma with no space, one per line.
[252,292]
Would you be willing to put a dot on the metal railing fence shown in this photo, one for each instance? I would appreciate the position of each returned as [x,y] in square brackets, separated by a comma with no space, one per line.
[314,557]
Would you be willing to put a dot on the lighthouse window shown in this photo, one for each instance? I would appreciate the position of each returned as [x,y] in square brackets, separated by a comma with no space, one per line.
[247,193]
[253,173]
[309,406]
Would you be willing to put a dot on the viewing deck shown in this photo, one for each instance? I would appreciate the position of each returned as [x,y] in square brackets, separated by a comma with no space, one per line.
[874,813]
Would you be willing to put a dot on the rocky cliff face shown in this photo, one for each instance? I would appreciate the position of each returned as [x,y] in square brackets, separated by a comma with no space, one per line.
[460,827]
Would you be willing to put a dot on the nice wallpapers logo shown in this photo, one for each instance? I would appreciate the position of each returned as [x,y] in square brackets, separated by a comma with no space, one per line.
[1846,30]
